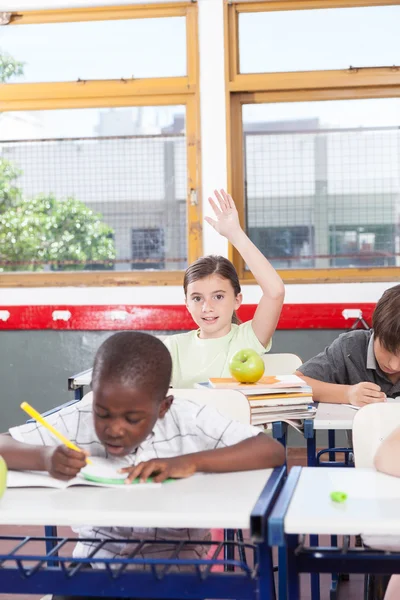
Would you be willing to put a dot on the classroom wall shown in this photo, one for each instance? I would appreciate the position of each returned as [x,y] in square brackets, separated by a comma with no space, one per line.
[35,365]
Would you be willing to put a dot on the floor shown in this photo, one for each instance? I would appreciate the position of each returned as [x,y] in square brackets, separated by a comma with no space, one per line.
[349,590]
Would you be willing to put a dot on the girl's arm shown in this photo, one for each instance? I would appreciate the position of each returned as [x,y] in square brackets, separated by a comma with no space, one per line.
[269,308]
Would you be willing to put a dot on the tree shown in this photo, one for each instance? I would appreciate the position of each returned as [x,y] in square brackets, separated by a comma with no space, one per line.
[9,67]
[10,194]
[63,233]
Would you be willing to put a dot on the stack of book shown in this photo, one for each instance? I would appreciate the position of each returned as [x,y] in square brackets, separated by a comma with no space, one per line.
[273,398]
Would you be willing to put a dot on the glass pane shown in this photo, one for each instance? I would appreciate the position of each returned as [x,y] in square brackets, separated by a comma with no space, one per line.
[99,50]
[93,189]
[322,182]
[322,39]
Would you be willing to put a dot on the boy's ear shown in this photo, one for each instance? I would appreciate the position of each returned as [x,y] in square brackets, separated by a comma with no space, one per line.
[165,406]
[238,301]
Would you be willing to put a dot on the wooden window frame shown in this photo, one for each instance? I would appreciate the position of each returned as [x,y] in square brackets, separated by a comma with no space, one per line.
[253,88]
[158,91]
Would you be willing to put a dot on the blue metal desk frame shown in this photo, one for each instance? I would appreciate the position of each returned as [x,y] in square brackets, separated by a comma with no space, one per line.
[317,559]
[279,431]
[39,573]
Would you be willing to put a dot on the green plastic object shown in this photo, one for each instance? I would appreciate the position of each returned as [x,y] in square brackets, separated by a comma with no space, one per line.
[110,480]
[338,496]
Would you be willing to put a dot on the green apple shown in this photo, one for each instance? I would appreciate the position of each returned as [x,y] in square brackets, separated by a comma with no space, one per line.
[3,476]
[246,366]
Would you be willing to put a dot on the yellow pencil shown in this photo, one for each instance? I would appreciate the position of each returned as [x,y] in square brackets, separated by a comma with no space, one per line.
[38,417]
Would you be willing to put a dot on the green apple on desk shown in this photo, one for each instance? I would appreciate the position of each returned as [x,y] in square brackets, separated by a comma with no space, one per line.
[246,366]
[3,476]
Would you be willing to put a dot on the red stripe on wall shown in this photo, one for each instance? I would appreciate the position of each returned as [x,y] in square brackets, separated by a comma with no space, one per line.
[166,318]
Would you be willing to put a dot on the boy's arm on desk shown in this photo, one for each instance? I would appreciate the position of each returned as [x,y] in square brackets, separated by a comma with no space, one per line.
[387,456]
[61,462]
[359,394]
[333,393]
[259,452]
[20,456]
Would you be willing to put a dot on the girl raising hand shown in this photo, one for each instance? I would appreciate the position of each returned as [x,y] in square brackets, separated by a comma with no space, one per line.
[212,296]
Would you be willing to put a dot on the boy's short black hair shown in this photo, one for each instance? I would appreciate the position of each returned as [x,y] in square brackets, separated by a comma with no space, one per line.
[134,359]
[386,320]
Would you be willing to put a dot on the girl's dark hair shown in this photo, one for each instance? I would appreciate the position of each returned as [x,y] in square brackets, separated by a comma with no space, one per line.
[213,265]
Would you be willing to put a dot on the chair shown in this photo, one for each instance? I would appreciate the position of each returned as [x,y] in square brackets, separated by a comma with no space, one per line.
[372,424]
[234,405]
[281,364]
[230,403]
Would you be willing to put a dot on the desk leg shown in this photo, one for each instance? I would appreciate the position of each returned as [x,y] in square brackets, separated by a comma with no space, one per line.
[311,451]
[314,577]
[50,531]
[293,577]
[309,434]
[331,444]
[229,550]
[282,573]
[266,581]
[279,432]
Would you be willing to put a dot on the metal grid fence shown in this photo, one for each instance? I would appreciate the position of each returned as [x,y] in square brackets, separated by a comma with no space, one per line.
[325,197]
[114,202]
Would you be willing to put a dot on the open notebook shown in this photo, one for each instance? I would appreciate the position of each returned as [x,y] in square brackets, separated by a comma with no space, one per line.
[90,475]
[397,400]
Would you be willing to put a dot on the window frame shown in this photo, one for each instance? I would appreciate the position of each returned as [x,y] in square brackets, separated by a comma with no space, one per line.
[257,88]
[158,91]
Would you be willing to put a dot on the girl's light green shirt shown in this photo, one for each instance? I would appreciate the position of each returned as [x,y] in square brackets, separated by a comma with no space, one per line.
[195,360]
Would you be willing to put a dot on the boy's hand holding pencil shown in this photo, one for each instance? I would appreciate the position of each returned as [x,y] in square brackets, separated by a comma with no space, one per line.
[62,462]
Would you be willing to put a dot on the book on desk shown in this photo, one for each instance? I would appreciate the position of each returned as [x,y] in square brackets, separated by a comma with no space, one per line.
[101,473]
[273,398]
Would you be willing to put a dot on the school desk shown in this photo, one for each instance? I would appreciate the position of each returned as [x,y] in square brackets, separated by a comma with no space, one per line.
[305,507]
[77,382]
[229,500]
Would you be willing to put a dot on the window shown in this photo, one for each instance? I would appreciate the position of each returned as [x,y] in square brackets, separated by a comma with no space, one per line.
[309,180]
[315,145]
[148,248]
[96,171]
[116,168]
[321,39]
[127,48]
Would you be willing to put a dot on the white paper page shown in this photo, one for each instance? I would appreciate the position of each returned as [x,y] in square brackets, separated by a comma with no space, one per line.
[101,467]
[33,479]
[387,400]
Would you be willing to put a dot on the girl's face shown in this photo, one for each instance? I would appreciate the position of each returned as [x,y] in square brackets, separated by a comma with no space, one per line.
[211,302]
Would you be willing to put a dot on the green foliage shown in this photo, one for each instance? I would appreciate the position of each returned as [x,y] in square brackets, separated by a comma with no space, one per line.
[9,67]
[10,194]
[45,230]
[64,234]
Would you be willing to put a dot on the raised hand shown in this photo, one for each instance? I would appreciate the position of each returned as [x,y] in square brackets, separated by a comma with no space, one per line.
[226,220]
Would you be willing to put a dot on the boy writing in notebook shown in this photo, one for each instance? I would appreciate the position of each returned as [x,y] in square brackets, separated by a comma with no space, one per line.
[360,367]
[134,420]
